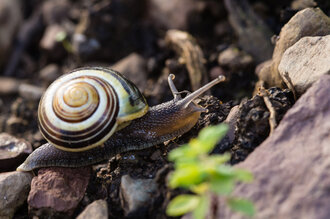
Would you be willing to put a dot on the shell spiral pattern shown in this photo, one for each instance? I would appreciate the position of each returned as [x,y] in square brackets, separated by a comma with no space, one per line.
[78,111]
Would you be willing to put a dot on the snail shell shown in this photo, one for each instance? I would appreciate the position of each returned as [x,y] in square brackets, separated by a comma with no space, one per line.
[81,110]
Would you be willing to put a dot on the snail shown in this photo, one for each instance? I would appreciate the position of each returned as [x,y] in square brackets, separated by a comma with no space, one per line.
[94,113]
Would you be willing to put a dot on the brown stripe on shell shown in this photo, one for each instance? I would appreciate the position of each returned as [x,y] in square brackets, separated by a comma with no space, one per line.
[75,139]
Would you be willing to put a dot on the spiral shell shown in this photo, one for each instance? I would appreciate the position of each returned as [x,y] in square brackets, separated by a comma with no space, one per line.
[81,110]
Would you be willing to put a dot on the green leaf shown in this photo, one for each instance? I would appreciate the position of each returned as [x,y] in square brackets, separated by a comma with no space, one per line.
[222,185]
[201,209]
[243,175]
[182,204]
[186,177]
[242,205]
[209,136]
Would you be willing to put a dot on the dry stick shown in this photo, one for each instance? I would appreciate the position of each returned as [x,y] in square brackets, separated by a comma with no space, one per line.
[288,82]
[272,116]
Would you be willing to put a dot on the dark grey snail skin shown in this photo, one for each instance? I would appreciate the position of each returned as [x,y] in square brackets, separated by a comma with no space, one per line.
[161,123]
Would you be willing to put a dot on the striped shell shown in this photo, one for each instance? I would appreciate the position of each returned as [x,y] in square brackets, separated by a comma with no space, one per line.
[82,109]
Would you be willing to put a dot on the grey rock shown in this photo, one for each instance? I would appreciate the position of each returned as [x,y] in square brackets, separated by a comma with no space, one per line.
[306,61]
[134,67]
[30,92]
[171,14]
[291,167]
[231,121]
[234,59]
[13,151]
[135,193]
[50,73]
[302,4]
[14,188]
[96,210]
[308,22]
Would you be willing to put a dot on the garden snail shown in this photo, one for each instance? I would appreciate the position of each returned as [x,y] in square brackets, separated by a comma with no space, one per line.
[94,113]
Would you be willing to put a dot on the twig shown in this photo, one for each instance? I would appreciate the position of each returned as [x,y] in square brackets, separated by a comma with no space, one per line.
[272,116]
[288,82]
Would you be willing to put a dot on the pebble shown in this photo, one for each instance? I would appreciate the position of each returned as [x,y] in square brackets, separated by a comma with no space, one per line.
[306,61]
[308,22]
[30,92]
[14,189]
[136,193]
[96,210]
[234,59]
[50,73]
[58,189]
[134,67]
[13,151]
[8,86]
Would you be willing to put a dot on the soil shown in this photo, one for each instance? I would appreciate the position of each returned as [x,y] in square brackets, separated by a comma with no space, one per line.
[123,27]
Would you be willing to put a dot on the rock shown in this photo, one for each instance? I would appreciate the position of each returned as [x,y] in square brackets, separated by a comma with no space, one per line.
[96,210]
[30,92]
[171,14]
[134,67]
[14,188]
[306,61]
[308,22]
[234,59]
[8,86]
[302,4]
[253,34]
[291,167]
[231,121]
[10,20]
[136,193]
[50,42]
[50,73]
[13,152]
[58,189]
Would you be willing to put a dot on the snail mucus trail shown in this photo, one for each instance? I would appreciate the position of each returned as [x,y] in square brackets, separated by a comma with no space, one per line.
[156,125]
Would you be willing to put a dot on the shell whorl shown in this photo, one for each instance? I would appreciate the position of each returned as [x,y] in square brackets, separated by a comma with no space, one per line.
[79,111]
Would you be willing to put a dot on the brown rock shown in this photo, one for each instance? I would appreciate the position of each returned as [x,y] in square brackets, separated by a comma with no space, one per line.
[58,189]
[30,92]
[306,61]
[96,210]
[13,151]
[50,73]
[134,67]
[308,22]
[8,86]
[14,188]
[291,168]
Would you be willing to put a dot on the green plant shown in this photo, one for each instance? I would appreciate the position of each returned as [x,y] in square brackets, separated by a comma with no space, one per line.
[203,174]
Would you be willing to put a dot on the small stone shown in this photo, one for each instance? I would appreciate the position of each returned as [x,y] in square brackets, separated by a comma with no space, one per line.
[13,151]
[50,73]
[96,210]
[134,67]
[171,14]
[234,59]
[306,61]
[308,22]
[8,86]
[291,167]
[14,188]
[58,189]
[302,4]
[49,41]
[231,121]
[30,92]
[136,193]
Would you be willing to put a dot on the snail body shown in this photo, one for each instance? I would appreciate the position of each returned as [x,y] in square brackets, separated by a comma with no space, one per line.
[82,128]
